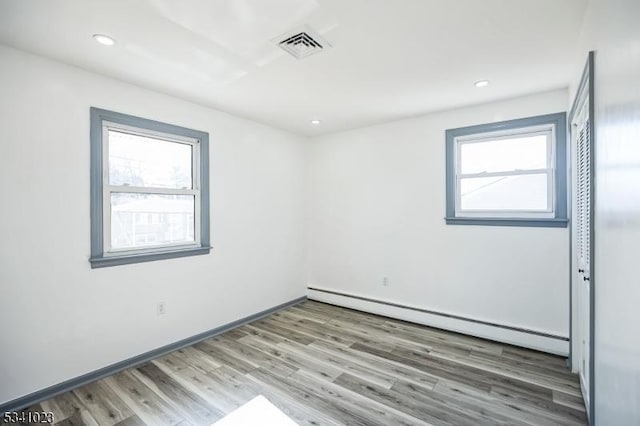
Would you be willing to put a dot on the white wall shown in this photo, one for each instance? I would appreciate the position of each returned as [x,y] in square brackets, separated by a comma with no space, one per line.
[611,29]
[376,201]
[377,210]
[59,318]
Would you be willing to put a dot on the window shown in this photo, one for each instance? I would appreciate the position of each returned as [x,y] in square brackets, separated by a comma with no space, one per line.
[149,190]
[511,173]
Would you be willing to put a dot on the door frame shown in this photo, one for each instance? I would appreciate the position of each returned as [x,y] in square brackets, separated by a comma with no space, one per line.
[587,84]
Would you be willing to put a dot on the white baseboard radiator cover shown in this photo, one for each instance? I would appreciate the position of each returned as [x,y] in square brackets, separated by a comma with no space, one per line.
[545,342]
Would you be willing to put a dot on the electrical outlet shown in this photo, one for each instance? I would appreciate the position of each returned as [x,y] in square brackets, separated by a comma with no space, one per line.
[161,308]
[385,281]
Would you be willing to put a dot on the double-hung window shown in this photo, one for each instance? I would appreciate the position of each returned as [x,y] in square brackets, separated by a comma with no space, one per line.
[149,190]
[510,173]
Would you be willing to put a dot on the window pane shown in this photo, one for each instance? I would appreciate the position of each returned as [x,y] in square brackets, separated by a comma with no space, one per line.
[523,192]
[523,153]
[146,161]
[139,220]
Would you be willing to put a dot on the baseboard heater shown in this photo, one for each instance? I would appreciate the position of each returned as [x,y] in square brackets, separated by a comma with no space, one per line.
[532,339]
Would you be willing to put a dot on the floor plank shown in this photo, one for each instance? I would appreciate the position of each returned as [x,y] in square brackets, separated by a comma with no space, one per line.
[105,406]
[326,365]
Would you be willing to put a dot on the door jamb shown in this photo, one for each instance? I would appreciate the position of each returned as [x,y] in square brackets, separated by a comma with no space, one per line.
[586,83]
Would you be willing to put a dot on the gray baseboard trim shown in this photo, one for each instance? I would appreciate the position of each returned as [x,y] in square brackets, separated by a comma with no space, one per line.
[51,391]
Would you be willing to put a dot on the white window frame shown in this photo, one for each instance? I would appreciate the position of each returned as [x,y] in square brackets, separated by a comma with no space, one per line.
[547,130]
[108,189]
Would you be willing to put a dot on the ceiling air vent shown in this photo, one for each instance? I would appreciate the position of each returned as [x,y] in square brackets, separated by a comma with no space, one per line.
[302,43]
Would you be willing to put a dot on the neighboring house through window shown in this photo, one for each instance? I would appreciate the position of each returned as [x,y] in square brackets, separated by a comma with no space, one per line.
[149,190]
[511,173]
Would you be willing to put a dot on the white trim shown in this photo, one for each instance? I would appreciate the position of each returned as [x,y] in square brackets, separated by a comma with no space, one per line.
[126,189]
[505,214]
[108,190]
[517,172]
[506,134]
[138,131]
[485,331]
[547,130]
[156,248]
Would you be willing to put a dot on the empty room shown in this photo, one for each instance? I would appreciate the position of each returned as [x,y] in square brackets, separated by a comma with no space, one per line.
[320,212]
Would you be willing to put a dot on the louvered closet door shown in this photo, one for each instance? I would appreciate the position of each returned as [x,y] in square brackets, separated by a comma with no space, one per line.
[582,229]
[584,196]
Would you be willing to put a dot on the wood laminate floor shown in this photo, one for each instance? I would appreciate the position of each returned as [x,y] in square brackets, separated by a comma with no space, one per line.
[325,365]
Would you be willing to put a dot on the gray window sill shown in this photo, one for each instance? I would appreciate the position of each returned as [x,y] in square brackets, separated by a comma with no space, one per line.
[526,222]
[102,262]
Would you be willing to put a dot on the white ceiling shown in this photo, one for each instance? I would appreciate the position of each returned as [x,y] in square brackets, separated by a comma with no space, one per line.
[390,58]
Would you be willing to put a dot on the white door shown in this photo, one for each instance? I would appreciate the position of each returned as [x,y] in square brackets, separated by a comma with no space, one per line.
[582,241]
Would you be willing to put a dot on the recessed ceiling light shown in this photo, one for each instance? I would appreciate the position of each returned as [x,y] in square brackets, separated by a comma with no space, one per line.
[481,83]
[315,122]
[104,39]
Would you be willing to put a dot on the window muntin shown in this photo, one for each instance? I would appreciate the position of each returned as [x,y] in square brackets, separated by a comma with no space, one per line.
[505,174]
[151,193]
